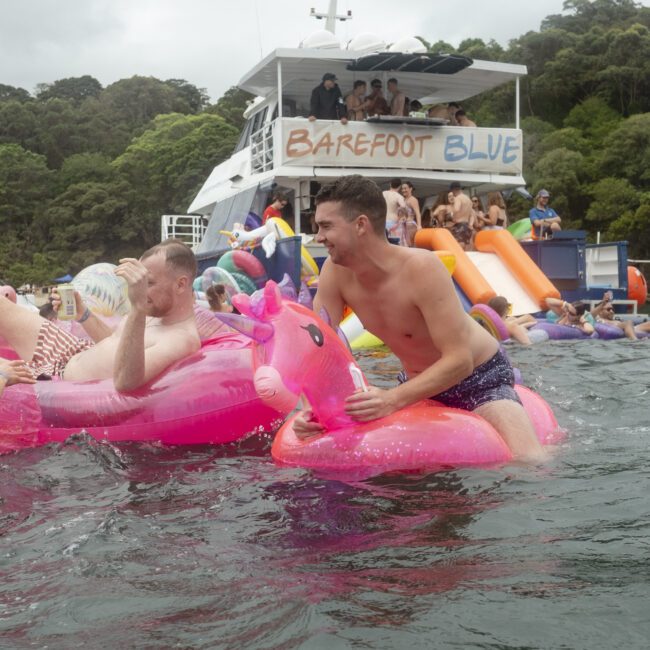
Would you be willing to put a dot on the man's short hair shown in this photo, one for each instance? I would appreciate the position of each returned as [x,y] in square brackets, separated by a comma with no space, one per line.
[460,113]
[178,255]
[392,80]
[395,183]
[279,195]
[455,185]
[453,105]
[357,195]
[376,83]
[358,83]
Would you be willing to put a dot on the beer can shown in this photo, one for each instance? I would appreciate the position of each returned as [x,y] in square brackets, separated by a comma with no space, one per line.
[68,307]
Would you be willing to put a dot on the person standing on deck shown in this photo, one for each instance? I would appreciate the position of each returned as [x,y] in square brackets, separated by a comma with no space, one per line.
[327,101]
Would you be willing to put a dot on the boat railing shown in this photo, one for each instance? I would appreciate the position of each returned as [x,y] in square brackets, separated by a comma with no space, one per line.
[408,144]
[189,228]
[262,148]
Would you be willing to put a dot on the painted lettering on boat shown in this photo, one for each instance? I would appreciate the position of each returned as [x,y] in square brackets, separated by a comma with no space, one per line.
[360,144]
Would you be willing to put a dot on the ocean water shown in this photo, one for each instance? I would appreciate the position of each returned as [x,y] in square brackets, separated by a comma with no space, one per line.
[139,546]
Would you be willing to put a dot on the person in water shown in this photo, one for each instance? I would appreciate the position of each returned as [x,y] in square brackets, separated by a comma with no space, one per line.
[158,331]
[406,297]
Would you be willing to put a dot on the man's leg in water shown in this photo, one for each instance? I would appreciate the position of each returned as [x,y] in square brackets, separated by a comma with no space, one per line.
[513,424]
[19,327]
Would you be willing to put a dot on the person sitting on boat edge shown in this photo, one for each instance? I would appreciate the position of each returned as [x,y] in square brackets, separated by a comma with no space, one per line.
[14,372]
[327,101]
[159,330]
[517,326]
[543,219]
[407,298]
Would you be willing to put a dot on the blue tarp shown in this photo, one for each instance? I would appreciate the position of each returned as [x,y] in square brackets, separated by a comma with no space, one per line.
[64,278]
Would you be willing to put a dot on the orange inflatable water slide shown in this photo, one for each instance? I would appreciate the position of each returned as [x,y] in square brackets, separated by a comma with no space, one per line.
[500,243]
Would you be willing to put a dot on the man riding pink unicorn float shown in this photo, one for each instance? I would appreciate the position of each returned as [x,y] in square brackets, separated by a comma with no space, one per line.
[405,296]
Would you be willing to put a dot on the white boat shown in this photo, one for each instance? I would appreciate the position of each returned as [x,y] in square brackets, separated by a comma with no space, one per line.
[279,148]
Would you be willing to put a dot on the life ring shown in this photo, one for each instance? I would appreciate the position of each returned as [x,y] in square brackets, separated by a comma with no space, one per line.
[298,353]
[491,321]
[208,398]
[637,288]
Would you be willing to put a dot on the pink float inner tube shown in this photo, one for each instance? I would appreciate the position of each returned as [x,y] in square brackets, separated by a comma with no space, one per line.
[298,353]
[208,398]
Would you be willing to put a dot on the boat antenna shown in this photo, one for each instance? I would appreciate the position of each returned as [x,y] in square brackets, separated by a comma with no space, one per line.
[259,29]
[331,16]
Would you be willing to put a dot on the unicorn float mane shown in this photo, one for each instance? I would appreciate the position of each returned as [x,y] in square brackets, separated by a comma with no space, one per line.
[297,353]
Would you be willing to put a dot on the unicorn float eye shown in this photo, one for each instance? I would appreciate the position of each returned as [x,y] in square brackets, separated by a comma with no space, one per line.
[315,333]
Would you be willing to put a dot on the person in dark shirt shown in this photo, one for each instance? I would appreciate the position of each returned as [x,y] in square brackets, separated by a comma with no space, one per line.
[327,101]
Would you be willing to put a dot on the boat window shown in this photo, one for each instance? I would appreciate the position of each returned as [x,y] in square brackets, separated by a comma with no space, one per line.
[258,119]
[244,137]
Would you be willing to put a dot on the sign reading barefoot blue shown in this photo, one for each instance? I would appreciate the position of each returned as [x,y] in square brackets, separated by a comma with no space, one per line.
[504,149]
[326,143]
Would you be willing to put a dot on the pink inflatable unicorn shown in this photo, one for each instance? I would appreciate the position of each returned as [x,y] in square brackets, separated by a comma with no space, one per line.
[298,353]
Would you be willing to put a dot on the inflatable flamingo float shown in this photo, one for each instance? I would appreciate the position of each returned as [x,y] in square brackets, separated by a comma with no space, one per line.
[298,353]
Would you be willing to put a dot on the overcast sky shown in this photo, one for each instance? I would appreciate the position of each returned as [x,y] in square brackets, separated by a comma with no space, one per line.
[212,43]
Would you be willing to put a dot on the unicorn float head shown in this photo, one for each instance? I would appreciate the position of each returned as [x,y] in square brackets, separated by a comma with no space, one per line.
[297,353]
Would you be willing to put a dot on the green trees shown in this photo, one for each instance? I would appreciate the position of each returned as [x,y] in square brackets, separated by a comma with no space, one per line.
[86,172]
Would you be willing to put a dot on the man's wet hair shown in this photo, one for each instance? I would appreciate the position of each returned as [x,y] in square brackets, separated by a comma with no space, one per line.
[178,255]
[357,195]
[396,183]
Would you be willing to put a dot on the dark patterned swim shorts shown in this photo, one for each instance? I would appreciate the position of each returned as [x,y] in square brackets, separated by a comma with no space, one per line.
[491,381]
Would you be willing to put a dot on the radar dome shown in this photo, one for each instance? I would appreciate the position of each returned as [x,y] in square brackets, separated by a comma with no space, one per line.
[367,43]
[408,45]
[321,40]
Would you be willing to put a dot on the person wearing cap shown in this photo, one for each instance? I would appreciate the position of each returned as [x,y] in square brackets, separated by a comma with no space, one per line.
[327,101]
[543,219]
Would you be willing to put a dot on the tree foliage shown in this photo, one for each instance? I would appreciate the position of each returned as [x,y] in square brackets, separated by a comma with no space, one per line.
[86,171]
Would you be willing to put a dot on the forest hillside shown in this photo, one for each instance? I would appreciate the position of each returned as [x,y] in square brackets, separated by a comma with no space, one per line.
[87,171]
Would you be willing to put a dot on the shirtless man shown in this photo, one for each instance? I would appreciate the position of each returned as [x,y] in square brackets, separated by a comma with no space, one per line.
[355,103]
[406,297]
[394,200]
[461,208]
[158,331]
[398,98]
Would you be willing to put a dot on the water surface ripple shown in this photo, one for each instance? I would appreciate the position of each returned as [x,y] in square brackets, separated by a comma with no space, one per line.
[216,547]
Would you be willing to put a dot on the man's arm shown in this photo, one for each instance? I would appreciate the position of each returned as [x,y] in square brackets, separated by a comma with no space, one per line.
[314,104]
